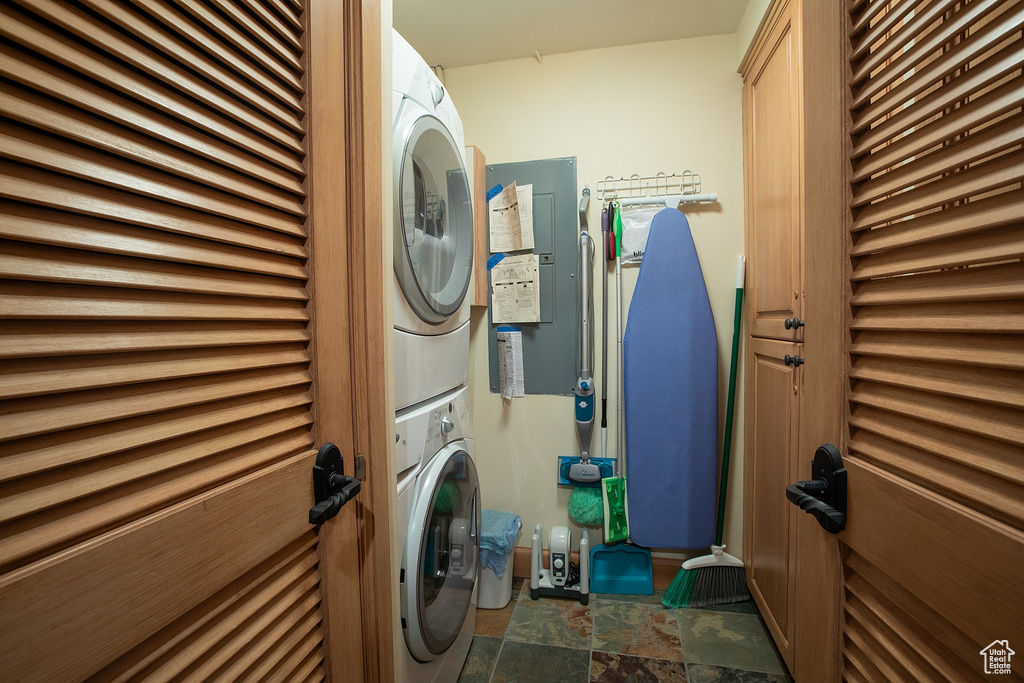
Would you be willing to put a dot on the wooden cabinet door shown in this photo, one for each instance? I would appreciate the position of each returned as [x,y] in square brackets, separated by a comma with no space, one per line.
[772,179]
[159,384]
[772,410]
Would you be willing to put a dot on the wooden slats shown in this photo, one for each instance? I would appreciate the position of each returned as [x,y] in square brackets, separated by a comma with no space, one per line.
[25,339]
[283,45]
[43,226]
[227,55]
[988,283]
[28,185]
[1001,317]
[97,33]
[925,76]
[964,118]
[990,494]
[1003,63]
[881,25]
[985,385]
[33,416]
[900,633]
[34,149]
[1004,170]
[34,301]
[272,576]
[985,420]
[284,108]
[71,447]
[28,262]
[187,540]
[51,44]
[916,53]
[951,349]
[76,520]
[286,72]
[54,119]
[66,87]
[986,248]
[955,222]
[24,378]
[970,148]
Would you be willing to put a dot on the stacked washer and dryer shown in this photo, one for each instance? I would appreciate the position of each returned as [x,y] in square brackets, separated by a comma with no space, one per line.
[438,491]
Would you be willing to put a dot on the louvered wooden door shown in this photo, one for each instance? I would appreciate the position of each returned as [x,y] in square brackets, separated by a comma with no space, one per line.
[930,563]
[157,378]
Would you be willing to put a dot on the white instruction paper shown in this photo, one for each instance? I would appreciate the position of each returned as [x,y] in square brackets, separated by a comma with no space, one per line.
[510,364]
[511,219]
[515,290]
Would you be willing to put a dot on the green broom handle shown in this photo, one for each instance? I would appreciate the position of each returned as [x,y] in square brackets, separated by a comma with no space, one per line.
[727,446]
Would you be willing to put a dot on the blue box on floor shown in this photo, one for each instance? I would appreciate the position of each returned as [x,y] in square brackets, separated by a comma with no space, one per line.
[621,569]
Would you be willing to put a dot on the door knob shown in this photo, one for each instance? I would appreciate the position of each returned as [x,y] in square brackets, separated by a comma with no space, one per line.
[331,488]
[795,361]
[794,323]
[824,496]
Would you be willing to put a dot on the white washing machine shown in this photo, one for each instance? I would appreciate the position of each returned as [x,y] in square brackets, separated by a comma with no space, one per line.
[438,536]
[433,253]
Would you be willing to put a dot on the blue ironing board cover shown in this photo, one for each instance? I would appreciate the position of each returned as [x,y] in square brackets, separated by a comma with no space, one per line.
[671,394]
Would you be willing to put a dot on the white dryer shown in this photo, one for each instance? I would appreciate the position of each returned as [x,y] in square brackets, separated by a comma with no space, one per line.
[433,242]
[438,536]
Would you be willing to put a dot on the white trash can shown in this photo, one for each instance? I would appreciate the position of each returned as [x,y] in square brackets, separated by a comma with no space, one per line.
[494,592]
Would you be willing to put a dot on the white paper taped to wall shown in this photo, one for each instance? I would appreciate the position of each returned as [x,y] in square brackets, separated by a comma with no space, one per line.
[511,219]
[515,290]
[510,363]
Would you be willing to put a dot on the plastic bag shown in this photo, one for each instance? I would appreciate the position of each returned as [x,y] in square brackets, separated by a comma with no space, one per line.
[636,223]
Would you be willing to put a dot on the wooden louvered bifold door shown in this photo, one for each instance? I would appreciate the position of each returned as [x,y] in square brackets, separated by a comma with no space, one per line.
[934,544]
[155,409]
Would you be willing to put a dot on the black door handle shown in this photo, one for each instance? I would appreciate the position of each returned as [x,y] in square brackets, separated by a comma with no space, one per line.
[795,361]
[331,488]
[794,323]
[825,495]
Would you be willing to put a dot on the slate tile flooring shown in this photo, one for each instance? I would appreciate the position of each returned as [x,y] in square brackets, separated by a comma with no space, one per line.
[619,638]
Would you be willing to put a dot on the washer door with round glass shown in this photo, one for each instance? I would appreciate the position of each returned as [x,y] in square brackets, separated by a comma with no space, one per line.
[442,548]
[433,216]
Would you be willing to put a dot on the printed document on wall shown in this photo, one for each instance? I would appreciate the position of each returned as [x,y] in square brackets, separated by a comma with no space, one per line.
[510,363]
[511,219]
[515,290]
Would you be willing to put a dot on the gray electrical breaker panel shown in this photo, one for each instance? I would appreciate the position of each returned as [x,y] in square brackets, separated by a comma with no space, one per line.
[549,347]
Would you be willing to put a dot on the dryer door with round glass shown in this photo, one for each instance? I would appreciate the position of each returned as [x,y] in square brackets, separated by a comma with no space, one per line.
[433,216]
[440,558]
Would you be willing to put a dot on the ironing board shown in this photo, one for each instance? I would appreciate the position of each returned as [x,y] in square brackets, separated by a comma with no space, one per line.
[671,394]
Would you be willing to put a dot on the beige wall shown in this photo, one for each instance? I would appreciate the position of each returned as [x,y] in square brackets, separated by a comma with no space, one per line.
[749,24]
[640,109]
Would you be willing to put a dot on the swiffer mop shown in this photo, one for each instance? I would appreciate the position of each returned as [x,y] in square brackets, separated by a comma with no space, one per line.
[616,521]
[718,578]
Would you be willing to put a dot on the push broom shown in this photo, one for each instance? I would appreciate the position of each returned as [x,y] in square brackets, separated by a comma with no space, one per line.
[717,578]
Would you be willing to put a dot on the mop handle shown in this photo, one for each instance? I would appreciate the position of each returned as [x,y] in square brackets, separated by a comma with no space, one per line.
[604,332]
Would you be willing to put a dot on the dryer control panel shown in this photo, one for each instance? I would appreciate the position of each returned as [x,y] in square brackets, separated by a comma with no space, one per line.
[421,431]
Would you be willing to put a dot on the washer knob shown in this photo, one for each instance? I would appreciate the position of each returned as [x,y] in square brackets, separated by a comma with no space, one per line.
[446,425]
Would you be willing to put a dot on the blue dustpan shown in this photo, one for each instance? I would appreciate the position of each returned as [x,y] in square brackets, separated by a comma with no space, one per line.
[621,569]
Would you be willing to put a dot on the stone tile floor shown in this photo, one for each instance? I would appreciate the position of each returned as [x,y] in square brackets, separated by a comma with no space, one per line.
[627,638]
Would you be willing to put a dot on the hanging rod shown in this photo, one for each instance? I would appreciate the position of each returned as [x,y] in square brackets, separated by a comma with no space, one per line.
[671,201]
[663,188]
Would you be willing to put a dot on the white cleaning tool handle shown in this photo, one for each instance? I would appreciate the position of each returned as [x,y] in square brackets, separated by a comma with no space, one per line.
[717,558]
[740,271]
[535,559]
[584,562]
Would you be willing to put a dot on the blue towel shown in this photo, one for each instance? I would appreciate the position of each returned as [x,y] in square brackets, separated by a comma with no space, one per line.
[497,539]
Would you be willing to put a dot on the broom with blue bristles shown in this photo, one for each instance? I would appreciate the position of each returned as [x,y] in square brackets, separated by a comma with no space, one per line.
[717,578]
